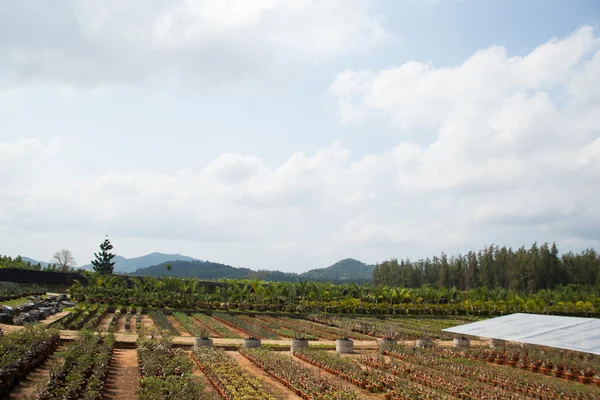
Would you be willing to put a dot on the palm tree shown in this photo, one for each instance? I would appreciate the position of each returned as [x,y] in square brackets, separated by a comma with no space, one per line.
[302,288]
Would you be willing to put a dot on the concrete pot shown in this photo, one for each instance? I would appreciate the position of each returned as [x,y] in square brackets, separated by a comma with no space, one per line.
[462,343]
[251,343]
[424,343]
[297,344]
[344,346]
[200,342]
[385,342]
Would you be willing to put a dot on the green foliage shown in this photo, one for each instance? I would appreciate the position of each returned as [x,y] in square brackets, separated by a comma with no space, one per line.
[18,262]
[347,270]
[103,263]
[494,267]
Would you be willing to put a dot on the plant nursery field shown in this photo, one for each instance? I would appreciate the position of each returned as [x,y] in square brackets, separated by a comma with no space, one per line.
[35,363]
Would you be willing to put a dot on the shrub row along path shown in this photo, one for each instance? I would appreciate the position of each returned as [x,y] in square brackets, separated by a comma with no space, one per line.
[270,383]
[178,327]
[122,379]
[28,388]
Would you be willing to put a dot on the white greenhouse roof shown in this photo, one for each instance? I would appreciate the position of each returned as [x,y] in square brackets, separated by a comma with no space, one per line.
[572,333]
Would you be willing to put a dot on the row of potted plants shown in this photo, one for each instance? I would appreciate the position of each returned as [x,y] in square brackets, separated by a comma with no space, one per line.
[555,362]
[272,327]
[165,373]
[97,317]
[161,320]
[228,377]
[407,328]
[296,324]
[511,380]
[13,291]
[80,372]
[216,327]
[138,319]
[128,314]
[439,380]
[190,325]
[344,367]
[112,325]
[22,351]
[285,330]
[304,382]
[83,313]
[253,329]
[343,328]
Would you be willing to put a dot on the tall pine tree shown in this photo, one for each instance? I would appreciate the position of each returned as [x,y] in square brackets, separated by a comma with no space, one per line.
[103,263]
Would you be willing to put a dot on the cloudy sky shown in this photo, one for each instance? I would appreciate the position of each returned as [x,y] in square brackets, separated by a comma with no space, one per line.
[290,134]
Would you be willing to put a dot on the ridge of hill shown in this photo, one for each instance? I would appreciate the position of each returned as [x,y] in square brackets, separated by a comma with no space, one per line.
[344,271]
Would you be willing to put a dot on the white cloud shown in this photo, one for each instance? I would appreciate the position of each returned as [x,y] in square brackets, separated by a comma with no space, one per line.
[515,157]
[92,44]
[515,138]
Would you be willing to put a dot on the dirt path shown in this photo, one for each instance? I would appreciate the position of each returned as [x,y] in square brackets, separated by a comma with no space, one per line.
[338,381]
[54,317]
[178,327]
[132,324]
[147,321]
[270,383]
[200,377]
[120,326]
[237,331]
[122,379]
[36,379]
[104,323]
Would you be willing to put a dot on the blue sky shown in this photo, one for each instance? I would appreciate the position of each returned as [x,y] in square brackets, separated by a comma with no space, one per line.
[287,135]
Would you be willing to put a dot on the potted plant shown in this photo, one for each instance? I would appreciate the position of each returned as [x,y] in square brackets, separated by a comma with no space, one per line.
[253,339]
[596,379]
[390,333]
[299,340]
[344,345]
[462,343]
[203,339]
[423,341]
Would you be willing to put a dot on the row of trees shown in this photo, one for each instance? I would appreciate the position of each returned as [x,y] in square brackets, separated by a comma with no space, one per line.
[64,261]
[345,298]
[523,270]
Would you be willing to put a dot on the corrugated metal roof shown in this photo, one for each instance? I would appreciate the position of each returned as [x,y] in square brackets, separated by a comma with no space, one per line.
[572,333]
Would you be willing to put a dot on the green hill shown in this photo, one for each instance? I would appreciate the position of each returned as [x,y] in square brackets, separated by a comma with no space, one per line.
[348,270]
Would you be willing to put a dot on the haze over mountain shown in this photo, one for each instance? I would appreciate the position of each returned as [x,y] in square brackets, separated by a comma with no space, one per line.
[344,271]
[35,262]
[128,265]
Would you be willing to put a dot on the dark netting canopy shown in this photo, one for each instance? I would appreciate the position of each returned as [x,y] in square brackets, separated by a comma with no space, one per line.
[572,333]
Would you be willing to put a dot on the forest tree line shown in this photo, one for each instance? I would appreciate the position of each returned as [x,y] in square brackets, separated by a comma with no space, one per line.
[524,270]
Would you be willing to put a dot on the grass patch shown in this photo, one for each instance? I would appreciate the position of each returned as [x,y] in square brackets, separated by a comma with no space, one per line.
[16,302]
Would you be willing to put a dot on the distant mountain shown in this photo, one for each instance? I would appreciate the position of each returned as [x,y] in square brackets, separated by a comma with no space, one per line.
[128,265]
[34,262]
[344,271]
[347,270]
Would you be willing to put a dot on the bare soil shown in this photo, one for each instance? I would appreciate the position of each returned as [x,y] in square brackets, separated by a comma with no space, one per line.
[122,379]
[120,326]
[270,384]
[54,317]
[177,325]
[104,323]
[147,321]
